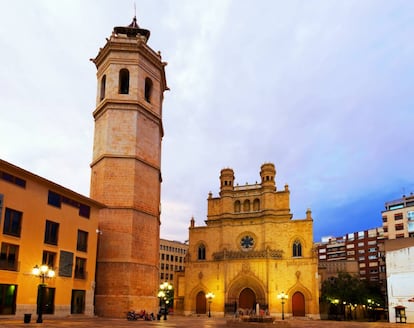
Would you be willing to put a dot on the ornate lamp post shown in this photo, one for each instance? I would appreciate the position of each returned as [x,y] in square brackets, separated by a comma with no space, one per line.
[164,296]
[43,272]
[282,296]
[209,297]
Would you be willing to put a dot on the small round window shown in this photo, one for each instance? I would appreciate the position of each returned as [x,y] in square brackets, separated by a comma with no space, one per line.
[246,242]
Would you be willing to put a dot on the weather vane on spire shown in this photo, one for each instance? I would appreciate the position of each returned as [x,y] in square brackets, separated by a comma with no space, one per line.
[135,9]
[133,29]
[134,19]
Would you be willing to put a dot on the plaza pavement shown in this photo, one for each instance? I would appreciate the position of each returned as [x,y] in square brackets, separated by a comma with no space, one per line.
[189,322]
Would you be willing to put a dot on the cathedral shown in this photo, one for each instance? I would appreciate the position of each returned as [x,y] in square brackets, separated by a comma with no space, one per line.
[251,256]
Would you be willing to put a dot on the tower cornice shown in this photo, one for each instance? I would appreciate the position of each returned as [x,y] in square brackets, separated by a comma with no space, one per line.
[105,156]
[136,105]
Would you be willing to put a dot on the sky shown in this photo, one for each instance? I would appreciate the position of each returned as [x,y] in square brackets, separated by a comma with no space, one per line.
[321,88]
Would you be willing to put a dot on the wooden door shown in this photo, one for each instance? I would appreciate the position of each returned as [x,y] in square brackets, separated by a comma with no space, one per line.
[298,305]
[201,306]
[247,299]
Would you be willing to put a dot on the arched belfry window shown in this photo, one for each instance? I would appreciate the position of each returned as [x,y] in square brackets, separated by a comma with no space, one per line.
[124,81]
[103,87]
[237,206]
[256,205]
[297,249]
[201,252]
[246,205]
[148,89]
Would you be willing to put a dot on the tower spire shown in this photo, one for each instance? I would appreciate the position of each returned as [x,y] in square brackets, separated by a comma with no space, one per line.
[132,30]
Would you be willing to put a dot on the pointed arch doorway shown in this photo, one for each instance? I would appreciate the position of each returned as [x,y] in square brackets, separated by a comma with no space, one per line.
[201,303]
[298,305]
[247,299]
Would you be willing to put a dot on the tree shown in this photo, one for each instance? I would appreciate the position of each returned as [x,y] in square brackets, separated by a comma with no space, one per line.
[343,294]
[344,288]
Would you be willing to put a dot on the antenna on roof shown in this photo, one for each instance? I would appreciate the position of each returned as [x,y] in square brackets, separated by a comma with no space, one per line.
[135,9]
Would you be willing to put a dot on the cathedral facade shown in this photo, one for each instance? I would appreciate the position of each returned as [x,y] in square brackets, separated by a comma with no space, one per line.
[251,256]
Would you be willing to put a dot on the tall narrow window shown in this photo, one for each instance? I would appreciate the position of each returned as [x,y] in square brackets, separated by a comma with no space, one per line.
[54,199]
[51,232]
[297,249]
[103,87]
[9,255]
[148,89]
[12,222]
[80,268]
[124,81]
[256,205]
[201,252]
[82,244]
[246,206]
[237,206]
[49,258]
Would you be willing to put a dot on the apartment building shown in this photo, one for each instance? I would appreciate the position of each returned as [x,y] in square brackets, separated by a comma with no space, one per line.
[362,247]
[398,218]
[45,224]
[172,254]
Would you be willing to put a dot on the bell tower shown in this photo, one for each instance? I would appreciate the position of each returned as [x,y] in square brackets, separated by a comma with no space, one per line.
[126,171]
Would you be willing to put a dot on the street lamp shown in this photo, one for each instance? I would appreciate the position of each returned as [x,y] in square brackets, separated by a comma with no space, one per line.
[209,297]
[43,272]
[164,296]
[371,306]
[282,296]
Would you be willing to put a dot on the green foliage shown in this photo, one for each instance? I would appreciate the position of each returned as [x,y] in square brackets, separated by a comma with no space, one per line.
[351,290]
[344,288]
[374,294]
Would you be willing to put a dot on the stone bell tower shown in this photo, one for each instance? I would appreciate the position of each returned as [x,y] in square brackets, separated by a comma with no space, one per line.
[126,171]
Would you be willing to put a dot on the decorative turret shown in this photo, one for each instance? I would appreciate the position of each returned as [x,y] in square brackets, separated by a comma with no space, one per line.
[308,214]
[268,173]
[226,181]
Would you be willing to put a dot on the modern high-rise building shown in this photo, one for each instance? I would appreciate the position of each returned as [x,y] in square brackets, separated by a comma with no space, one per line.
[361,246]
[126,170]
[398,218]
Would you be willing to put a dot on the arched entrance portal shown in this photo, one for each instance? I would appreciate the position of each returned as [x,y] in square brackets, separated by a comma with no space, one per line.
[247,299]
[298,305]
[201,307]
